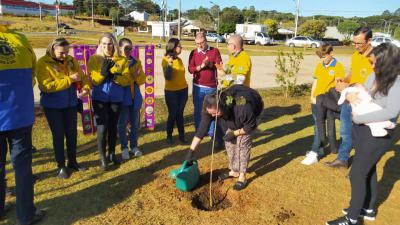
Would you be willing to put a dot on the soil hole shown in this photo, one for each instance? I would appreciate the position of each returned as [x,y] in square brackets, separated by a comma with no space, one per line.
[201,200]
[284,215]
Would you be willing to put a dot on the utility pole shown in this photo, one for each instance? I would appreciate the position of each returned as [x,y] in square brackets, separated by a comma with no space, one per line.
[57,9]
[297,17]
[92,15]
[179,19]
[40,10]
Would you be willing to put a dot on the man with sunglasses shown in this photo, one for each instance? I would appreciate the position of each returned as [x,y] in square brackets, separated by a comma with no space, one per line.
[360,69]
[202,61]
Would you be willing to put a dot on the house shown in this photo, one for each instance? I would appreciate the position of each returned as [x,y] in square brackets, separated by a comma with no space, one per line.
[170,28]
[139,16]
[22,8]
[190,29]
[333,32]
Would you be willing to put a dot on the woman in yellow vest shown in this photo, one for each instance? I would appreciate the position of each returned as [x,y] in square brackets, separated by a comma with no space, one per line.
[59,77]
[176,88]
[110,74]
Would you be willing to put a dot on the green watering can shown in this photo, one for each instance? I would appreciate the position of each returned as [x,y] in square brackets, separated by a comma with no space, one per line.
[187,176]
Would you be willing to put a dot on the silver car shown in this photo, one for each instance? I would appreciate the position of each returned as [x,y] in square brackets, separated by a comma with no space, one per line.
[379,40]
[301,41]
[213,37]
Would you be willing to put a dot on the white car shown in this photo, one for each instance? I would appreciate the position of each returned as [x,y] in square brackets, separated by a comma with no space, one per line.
[301,41]
[379,40]
[262,39]
[213,37]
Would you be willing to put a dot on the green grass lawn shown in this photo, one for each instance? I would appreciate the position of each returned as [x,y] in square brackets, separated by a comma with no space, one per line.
[280,191]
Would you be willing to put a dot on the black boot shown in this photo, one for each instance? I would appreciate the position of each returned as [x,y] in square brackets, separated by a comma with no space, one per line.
[113,158]
[103,160]
[75,166]
[62,173]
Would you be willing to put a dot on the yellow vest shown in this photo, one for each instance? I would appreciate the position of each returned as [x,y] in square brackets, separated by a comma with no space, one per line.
[120,67]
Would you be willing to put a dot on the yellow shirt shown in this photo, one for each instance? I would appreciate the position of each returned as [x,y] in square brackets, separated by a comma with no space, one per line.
[326,76]
[53,76]
[140,78]
[178,80]
[241,65]
[361,68]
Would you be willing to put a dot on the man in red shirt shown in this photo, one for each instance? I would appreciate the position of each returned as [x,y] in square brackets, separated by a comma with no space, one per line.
[202,62]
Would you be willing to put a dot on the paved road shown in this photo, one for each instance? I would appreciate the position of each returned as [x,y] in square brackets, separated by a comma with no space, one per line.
[263,71]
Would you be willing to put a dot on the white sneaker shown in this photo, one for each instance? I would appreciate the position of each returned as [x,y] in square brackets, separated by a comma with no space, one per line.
[136,152]
[311,158]
[125,154]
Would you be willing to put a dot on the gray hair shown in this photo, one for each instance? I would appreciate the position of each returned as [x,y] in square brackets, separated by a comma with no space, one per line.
[237,39]
[200,35]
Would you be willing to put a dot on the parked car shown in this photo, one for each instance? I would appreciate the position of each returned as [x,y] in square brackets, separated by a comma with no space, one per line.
[301,41]
[332,41]
[379,40]
[262,39]
[213,37]
[64,26]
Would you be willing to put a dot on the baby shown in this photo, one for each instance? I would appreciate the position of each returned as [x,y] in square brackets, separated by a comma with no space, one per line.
[362,105]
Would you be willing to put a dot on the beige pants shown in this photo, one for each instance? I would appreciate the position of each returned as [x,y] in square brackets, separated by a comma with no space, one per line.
[239,153]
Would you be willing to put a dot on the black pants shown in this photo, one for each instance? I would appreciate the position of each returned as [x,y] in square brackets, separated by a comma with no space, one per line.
[328,110]
[106,114]
[62,124]
[363,179]
[176,101]
[19,144]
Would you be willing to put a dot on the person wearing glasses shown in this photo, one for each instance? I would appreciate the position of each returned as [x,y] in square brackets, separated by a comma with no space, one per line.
[176,88]
[202,61]
[239,63]
[360,70]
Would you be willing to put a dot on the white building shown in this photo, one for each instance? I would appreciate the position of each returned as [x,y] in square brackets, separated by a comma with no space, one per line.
[22,7]
[170,28]
[333,32]
[139,16]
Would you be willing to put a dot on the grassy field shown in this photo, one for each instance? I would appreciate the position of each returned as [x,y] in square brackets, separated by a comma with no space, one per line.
[40,34]
[280,191]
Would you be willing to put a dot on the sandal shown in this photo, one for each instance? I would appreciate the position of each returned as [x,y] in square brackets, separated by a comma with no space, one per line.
[224,176]
[239,185]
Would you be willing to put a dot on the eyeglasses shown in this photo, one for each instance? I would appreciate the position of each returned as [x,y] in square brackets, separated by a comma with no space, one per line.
[359,43]
[200,43]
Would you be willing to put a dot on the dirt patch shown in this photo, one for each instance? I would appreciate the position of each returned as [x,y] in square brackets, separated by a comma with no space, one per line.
[220,201]
[283,215]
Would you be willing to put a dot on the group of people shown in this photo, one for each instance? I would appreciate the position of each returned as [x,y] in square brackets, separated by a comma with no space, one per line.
[228,115]
[377,70]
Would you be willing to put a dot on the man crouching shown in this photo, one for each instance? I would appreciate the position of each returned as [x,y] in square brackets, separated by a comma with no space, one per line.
[236,110]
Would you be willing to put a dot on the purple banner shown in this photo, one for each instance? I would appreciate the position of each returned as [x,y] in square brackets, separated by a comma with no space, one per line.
[149,100]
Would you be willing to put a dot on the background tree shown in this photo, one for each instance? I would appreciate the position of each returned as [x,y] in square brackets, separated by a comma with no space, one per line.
[226,28]
[396,34]
[272,26]
[250,14]
[231,15]
[313,28]
[347,28]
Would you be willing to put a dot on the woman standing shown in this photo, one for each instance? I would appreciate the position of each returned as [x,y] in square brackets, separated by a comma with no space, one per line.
[176,88]
[59,75]
[384,87]
[132,102]
[110,73]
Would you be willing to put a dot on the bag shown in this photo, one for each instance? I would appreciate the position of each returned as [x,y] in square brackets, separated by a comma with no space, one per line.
[187,176]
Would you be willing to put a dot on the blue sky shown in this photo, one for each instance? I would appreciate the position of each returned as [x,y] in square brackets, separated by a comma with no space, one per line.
[347,8]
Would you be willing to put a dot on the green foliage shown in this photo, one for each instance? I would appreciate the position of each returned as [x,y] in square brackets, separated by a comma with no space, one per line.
[346,41]
[288,65]
[114,13]
[397,33]
[231,15]
[272,27]
[250,14]
[227,28]
[347,28]
[313,28]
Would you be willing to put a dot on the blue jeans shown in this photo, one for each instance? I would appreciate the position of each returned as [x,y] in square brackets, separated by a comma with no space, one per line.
[20,144]
[176,102]
[346,125]
[316,145]
[198,95]
[128,112]
[62,123]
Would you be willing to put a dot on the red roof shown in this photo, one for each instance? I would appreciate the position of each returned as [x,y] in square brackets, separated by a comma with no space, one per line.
[34,4]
